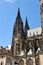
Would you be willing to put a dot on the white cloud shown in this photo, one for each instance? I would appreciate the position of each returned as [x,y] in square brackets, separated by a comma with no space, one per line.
[8,47]
[10,1]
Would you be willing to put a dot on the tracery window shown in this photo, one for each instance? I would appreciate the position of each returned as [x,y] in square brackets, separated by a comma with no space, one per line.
[21,62]
[30,44]
[37,42]
[37,61]
[29,61]
[17,48]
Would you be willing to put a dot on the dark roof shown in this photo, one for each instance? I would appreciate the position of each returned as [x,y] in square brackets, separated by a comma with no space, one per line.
[3,50]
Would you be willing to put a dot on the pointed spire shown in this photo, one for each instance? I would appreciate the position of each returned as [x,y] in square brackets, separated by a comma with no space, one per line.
[18,27]
[26,25]
[18,14]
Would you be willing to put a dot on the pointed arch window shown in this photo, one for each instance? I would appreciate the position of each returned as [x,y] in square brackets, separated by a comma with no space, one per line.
[21,62]
[37,61]
[17,48]
[37,41]
[29,61]
[30,44]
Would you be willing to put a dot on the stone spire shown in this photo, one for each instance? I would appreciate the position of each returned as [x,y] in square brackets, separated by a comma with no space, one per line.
[17,35]
[18,27]
[26,26]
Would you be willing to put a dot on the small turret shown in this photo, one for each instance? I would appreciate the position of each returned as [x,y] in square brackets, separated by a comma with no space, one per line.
[26,27]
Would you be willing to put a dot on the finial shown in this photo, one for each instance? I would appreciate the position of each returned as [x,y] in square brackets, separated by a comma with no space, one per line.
[26,25]
[26,18]
[18,14]
[18,9]
[26,21]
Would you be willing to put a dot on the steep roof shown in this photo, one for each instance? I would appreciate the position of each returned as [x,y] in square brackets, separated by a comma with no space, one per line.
[36,31]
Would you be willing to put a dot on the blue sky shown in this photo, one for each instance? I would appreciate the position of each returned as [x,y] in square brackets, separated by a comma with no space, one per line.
[8,13]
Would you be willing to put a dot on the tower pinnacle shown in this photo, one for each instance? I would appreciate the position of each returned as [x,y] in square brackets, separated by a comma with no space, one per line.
[18,14]
[26,25]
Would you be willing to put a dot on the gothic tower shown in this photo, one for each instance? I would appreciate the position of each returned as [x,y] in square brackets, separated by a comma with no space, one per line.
[17,35]
[41,12]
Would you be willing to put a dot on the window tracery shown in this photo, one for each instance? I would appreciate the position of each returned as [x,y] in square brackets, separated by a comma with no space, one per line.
[29,61]
[21,62]
[17,48]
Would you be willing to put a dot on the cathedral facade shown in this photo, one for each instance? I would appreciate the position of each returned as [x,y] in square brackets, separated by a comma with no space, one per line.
[27,44]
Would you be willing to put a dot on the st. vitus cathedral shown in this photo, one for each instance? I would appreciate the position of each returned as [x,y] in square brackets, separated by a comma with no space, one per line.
[27,44]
